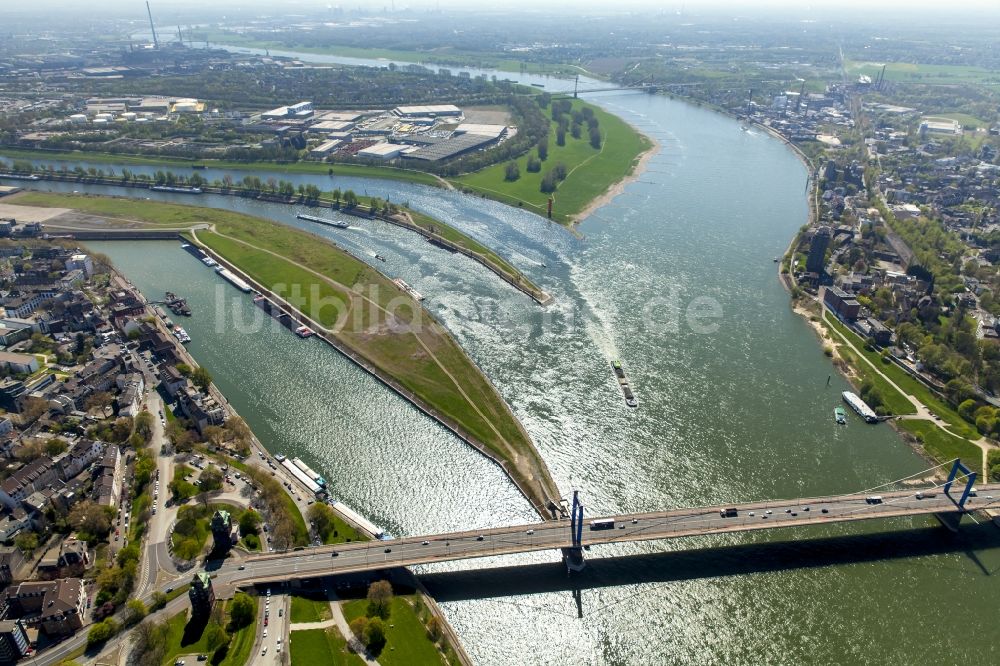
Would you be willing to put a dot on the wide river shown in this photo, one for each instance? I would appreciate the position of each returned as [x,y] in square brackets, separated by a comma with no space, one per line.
[675,278]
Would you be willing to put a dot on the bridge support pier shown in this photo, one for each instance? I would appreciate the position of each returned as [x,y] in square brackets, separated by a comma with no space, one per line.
[573,556]
[950,520]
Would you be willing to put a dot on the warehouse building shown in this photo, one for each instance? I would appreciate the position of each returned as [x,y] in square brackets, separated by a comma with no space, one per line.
[431,111]
[382,151]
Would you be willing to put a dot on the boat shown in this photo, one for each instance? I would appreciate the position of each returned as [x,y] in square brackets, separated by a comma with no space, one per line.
[19,176]
[304,332]
[175,189]
[208,261]
[416,295]
[777,259]
[233,279]
[840,415]
[323,220]
[619,372]
[380,257]
[181,335]
[859,406]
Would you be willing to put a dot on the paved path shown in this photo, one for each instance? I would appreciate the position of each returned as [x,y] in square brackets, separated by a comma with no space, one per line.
[923,413]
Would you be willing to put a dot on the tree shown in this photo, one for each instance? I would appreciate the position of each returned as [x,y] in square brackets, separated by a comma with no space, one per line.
[158,601]
[534,165]
[549,183]
[102,631]
[179,435]
[144,425]
[242,611]
[967,410]
[249,522]
[55,446]
[379,599]
[560,136]
[135,610]
[211,479]
[374,635]
[434,629]
[543,149]
[512,172]
[91,518]
[595,138]
[101,401]
[201,378]
[26,542]
[358,626]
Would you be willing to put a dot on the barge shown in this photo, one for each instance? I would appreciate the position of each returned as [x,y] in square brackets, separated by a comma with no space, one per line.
[233,279]
[623,384]
[322,220]
[176,189]
[416,295]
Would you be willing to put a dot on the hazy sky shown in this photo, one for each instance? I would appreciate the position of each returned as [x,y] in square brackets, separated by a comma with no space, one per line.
[956,7]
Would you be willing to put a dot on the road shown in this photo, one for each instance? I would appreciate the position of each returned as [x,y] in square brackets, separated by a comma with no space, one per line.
[366,556]
[157,562]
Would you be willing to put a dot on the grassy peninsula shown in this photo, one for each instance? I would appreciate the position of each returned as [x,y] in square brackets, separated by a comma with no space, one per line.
[357,308]
[590,172]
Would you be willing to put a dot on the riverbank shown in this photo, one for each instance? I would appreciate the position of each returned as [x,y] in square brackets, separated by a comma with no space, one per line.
[619,187]
[434,230]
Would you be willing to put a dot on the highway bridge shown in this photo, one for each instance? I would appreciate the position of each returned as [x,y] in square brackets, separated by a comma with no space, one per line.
[949,501]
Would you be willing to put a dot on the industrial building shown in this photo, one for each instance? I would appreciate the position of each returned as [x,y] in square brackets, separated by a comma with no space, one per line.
[431,111]
[382,151]
[299,111]
[325,148]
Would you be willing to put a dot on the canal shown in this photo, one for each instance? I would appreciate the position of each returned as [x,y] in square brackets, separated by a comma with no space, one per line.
[675,278]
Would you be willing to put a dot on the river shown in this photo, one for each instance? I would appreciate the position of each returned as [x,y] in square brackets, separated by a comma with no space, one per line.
[675,278]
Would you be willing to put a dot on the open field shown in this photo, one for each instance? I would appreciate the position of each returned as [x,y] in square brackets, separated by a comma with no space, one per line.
[305,609]
[591,172]
[405,634]
[943,446]
[312,647]
[363,311]
[906,72]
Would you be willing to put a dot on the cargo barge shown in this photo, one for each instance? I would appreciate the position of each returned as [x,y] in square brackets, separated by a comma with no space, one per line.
[623,384]
[416,295]
[176,189]
[323,221]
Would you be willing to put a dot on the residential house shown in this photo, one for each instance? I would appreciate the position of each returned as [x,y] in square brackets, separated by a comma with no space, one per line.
[56,607]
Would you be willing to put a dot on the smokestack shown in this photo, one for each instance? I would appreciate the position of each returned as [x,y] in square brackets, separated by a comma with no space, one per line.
[149,11]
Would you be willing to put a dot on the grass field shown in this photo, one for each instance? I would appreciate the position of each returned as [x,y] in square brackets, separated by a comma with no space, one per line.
[313,647]
[895,401]
[305,609]
[963,119]
[385,326]
[906,72]
[359,170]
[956,423]
[239,647]
[943,446]
[591,171]
[405,634]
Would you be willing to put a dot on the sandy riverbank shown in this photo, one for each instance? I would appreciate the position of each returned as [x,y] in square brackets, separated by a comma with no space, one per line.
[617,188]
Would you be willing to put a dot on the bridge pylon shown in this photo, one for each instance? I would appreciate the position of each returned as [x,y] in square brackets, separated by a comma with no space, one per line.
[573,556]
[951,520]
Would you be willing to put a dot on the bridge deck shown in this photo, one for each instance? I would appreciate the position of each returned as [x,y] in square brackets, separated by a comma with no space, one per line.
[349,558]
